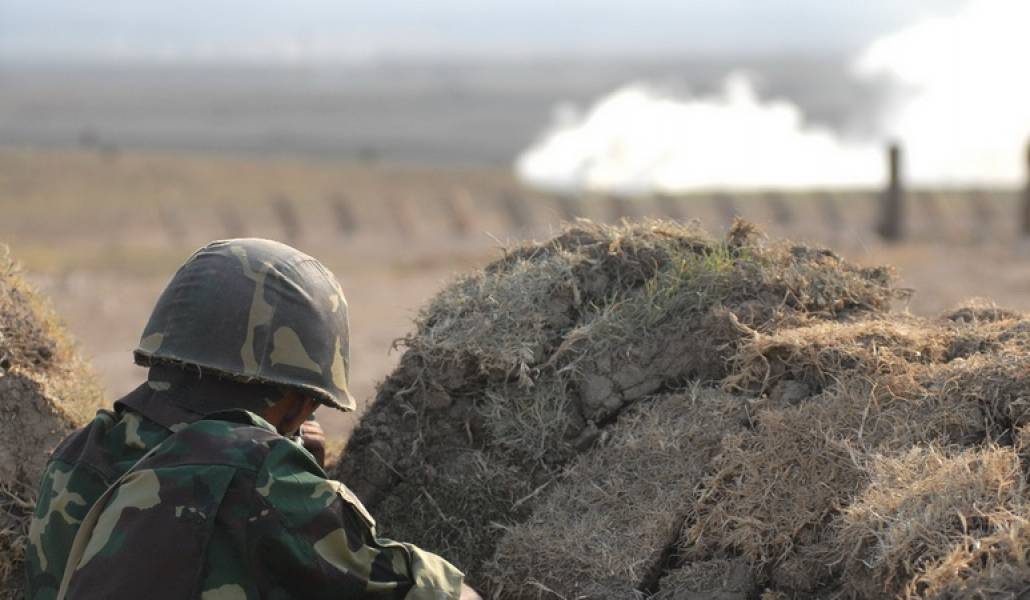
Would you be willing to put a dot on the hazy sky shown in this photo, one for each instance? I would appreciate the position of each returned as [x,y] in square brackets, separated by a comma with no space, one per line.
[348,30]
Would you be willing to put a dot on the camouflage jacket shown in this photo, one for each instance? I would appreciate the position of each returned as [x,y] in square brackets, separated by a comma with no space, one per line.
[212,506]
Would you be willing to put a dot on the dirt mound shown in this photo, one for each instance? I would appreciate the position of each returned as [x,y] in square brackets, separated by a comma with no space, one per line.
[45,391]
[646,412]
[554,415]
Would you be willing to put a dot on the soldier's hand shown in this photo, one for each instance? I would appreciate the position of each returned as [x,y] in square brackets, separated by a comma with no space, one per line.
[468,593]
[313,438]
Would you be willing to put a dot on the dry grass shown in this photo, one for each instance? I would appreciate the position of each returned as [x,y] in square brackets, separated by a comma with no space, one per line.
[461,502]
[917,525]
[33,341]
[773,489]
[777,493]
[715,579]
[838,397]
[45,389]
[988,567]
[16,504]
[529,362]
[768,497]
[556,364]
[623,503]
[817,356]
[30,336]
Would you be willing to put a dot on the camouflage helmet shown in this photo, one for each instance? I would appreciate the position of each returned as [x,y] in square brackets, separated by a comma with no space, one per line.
[255,310]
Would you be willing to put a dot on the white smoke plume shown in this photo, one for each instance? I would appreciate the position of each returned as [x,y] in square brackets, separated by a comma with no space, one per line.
[640,139]
[967,116]
[962,116]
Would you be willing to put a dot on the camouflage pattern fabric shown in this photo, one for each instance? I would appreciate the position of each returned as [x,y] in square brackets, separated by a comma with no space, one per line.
[255,310]
[220,507]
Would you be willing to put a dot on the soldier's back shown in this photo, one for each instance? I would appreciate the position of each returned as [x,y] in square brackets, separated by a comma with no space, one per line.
[226,508]
[79,472]
[178,524]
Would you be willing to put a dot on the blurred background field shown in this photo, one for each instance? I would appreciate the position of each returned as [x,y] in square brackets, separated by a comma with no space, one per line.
[101,234]
[404,144]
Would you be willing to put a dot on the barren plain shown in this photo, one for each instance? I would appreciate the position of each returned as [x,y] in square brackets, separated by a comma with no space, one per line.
[101,232]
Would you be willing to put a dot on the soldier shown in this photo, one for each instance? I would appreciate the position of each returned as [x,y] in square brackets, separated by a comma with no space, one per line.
[193,486]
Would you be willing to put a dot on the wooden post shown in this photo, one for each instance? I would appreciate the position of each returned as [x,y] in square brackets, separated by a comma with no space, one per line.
[1026,195]
[892,226]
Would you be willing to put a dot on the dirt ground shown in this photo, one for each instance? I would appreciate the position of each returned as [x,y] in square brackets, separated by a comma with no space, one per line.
[101,234]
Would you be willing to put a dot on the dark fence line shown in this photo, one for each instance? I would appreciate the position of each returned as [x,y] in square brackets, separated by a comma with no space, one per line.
[895,213]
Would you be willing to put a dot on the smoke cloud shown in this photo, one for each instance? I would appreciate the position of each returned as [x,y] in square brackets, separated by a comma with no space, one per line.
[961,111]
[640,139]
[965,113]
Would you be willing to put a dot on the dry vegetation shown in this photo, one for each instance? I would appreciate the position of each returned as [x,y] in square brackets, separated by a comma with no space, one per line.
[646,411]
[45,391]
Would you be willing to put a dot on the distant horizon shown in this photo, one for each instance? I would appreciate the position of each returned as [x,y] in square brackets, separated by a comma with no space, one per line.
[403,60]
[357,32]
[593,94]
[458,112]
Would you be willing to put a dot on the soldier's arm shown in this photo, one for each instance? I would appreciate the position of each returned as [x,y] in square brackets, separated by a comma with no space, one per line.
[320,535]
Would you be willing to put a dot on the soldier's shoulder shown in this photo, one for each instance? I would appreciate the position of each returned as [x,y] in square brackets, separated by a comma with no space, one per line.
[92,444]
[73,446]
[236,438]
[238,422]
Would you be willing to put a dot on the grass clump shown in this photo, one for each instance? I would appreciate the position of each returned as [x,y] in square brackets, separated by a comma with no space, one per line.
[922,517]
[775,488]
[647,412]
[528,363]
[816,356]
[623,501]
[33,342]
[45,391]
